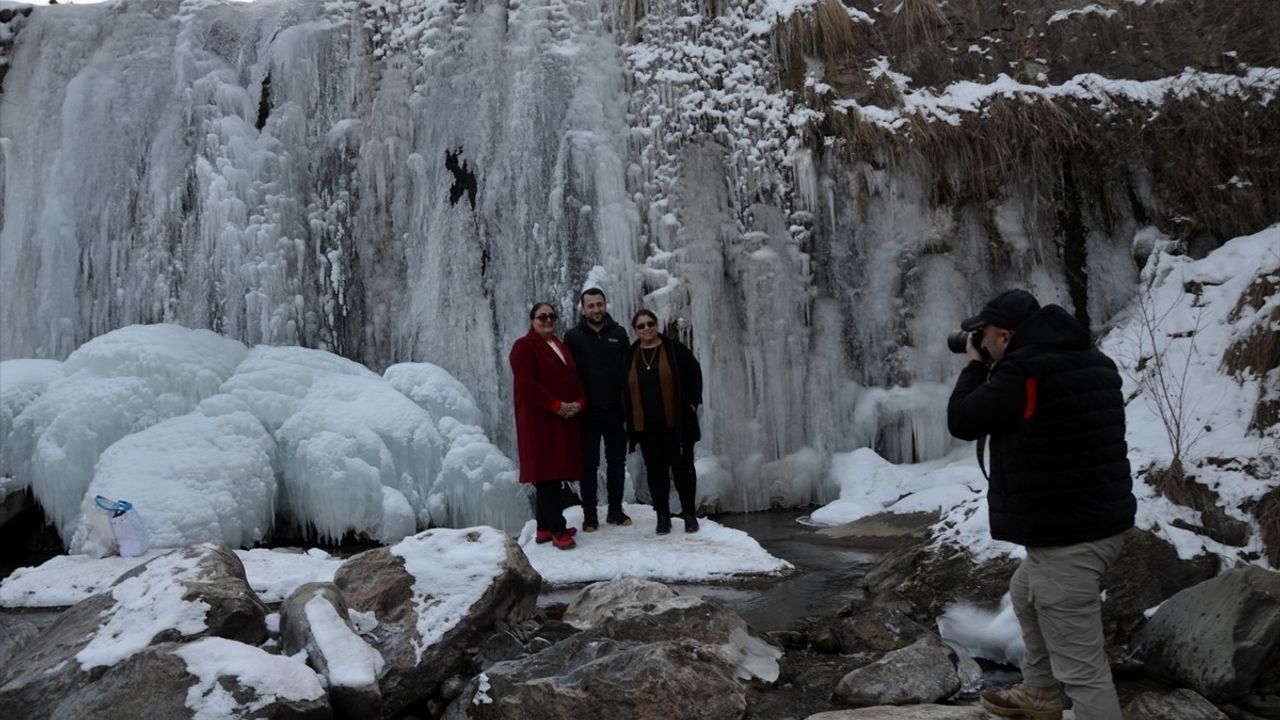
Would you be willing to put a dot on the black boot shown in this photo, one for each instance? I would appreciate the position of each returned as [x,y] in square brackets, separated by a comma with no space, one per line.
[690,523]
[590,521]
[664,524]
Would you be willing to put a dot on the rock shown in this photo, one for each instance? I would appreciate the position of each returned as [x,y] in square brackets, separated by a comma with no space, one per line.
[909,712]
[1221,638]
[539,644]
[878,630]
[14,636]
[436,596]
[1178,705]
[555,630]
[1147,572]
[501,646]
[588,677]
[789,639]
[190,593]
[922,580]
[825,640]
[314,618]
[882,531]
[644,653]
[225,678]
[923,672]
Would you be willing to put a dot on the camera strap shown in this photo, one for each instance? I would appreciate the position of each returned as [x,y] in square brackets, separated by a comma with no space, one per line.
[982,448]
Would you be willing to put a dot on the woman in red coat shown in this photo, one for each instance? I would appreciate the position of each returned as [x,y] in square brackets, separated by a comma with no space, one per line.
[548,397]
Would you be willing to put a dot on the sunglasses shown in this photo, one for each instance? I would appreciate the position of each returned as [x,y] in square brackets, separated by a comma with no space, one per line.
[645,325]
[546,317]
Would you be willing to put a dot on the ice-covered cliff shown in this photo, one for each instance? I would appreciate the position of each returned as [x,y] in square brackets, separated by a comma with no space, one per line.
[811,192]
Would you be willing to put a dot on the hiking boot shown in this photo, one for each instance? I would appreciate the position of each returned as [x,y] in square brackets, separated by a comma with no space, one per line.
[564,540]
[618,518]
[590,522]
[542,536]
[664,524]
[691,523]
[1035,702]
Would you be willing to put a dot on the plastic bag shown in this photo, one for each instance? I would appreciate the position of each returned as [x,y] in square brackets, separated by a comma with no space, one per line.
[126,526]
[99,538]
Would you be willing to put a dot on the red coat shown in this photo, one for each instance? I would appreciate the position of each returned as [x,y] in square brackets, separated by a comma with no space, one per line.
[550,446]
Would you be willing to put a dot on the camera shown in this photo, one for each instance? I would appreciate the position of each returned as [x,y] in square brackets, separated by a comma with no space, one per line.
[957,341]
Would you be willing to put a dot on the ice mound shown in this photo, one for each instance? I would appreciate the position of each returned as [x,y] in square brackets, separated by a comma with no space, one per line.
[114,385]
[870,484]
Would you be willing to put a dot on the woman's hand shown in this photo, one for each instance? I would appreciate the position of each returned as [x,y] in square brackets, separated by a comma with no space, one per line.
[568,410]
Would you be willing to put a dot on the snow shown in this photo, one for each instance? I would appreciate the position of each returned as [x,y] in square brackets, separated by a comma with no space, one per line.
[145,606]
[271,677]
[65,580]
[21,382]
[452,570]
[713,553]
[869,484]
[351,661]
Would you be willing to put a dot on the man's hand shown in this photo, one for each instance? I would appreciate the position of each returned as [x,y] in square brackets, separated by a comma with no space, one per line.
[974,353]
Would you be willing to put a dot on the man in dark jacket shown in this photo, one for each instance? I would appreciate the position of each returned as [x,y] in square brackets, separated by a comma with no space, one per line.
[1059,485]
[599,346]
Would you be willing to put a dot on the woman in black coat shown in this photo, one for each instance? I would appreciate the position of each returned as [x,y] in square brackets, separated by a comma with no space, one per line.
[661,399]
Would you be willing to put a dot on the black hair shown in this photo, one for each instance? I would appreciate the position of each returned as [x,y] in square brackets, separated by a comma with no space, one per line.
[642,313]
[534,310]
[592,291]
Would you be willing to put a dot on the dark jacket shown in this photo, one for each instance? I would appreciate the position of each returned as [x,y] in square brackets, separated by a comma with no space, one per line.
[688,376]
[1054,410]
[601,358]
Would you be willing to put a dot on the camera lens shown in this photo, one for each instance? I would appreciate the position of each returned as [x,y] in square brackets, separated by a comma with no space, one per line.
[957,342]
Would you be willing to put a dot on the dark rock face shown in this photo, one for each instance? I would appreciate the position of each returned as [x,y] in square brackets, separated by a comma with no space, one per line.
[923,672]
[1178,705]
[908,712]
[1221,638]
[44,672]
[1147,572]
[921,580]
[377,581]
[351,699]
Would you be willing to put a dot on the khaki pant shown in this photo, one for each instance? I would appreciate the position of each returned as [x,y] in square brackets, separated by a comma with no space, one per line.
[1055,595]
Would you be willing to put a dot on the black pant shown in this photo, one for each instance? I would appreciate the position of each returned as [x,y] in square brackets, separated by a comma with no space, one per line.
[606,425]
[549,506]
[666,455]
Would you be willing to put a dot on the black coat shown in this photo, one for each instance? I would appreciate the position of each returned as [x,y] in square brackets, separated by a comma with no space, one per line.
[601,359]
[688,376]
[1054,410]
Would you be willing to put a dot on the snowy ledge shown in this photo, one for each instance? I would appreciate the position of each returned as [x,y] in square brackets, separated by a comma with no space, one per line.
[714,553]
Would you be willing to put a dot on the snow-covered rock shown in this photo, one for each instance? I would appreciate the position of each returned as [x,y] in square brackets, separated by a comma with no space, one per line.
[314,620]
[434,595]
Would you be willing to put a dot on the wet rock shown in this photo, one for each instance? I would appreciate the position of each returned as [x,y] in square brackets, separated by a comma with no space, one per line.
[921,580]
[190,593]
[600,601]
[1221,638]
[923,672]
[877,630]
[909,712]
[499,647]
[436,596]
[789,639]
[314,618]
[555,630]
[539,644]
[825,640]
[1178,705]
[882,531]
[14,636]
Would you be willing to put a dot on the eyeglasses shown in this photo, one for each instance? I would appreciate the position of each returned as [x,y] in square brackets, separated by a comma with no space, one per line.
[546,317]
[645,325]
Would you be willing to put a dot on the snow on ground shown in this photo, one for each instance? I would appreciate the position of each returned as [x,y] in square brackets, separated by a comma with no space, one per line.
[67,579]
[271,677]
[713,553]
[869,484]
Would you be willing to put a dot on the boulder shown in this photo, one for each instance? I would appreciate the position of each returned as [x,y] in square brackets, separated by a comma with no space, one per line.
[207,678]
[881,531]
[923,672]
[1178,705]
[589,676]
[1147,573]
[314,618]
[923,579]
[190,593]
[644,652]
[1221,638]
[14,636]
[908,712]
[436,595]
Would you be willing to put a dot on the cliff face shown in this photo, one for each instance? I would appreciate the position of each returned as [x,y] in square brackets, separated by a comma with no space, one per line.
[811,193]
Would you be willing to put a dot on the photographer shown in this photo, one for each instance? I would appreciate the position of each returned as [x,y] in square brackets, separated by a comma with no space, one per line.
[1059,485]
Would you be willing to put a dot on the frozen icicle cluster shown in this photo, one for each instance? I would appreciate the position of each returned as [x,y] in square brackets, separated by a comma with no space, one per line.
[213,441]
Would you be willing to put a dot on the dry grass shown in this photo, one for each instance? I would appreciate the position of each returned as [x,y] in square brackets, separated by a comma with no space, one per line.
[1175,484]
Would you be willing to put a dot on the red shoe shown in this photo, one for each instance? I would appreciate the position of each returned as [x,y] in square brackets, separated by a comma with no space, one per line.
[542,536]
[564,541]
[570,531]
